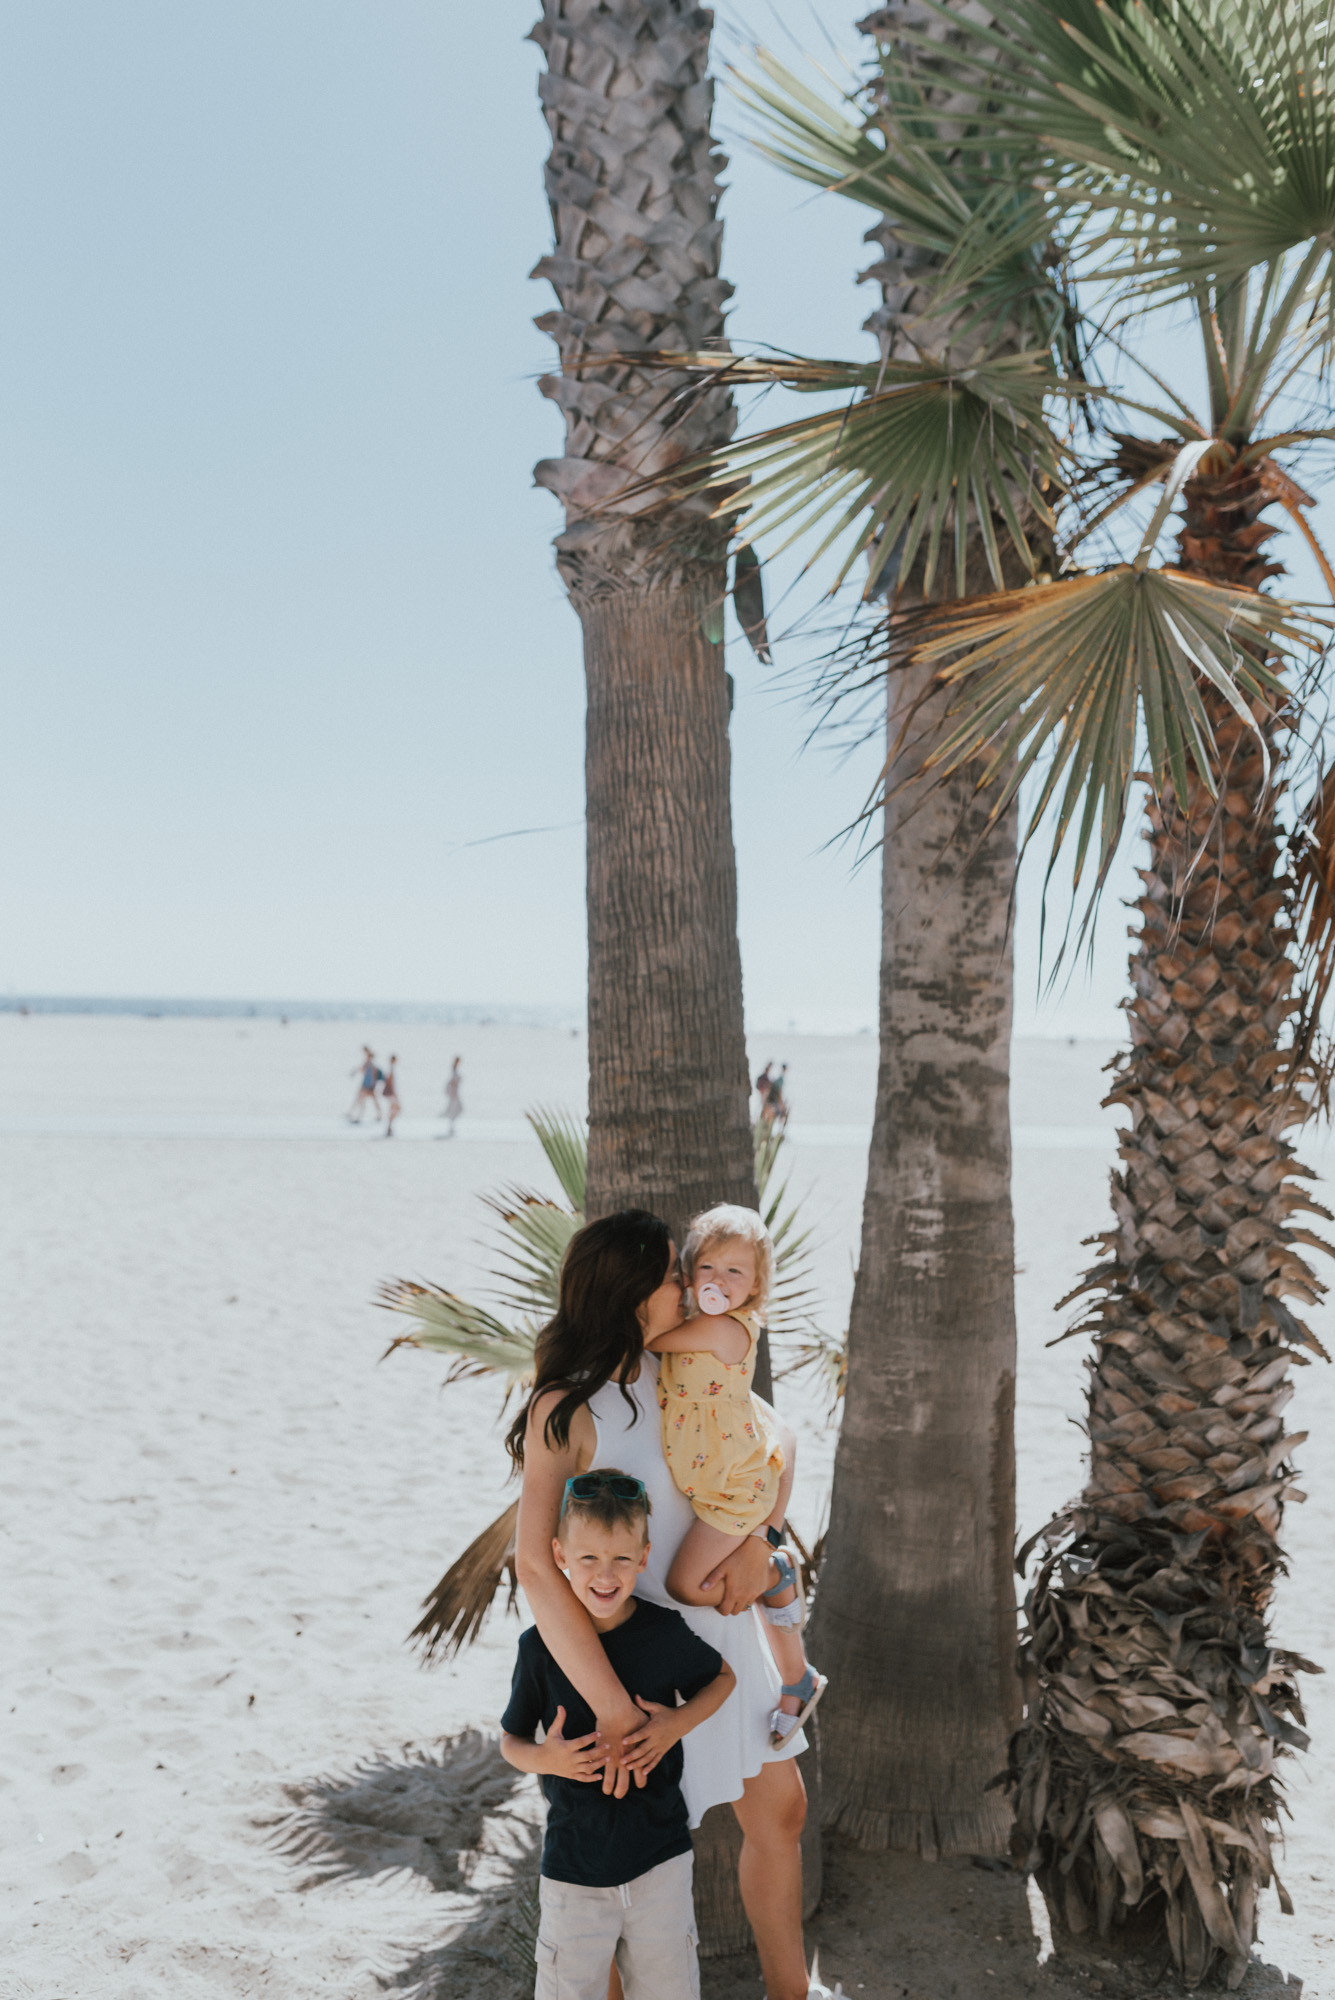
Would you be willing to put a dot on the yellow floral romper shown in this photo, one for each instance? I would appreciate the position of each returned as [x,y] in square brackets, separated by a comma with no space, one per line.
[720,1448]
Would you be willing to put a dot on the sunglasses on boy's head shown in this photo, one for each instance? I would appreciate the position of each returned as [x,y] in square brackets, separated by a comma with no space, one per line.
[588,1485]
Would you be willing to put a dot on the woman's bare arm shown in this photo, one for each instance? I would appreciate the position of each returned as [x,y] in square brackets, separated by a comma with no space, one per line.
[565,1625]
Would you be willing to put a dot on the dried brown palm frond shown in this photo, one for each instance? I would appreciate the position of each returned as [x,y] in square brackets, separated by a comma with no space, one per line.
[454,1612]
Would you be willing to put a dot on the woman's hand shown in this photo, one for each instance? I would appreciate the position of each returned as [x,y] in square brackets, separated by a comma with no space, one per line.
[744,1574]
[650,1743]
[576,1757]
[614,1732]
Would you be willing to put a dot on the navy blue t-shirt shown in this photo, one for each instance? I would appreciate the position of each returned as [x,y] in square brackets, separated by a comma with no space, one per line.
[593,1838]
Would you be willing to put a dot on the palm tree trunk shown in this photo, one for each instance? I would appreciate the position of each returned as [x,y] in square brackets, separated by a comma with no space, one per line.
[916,1607]
[1146,1781]
[916,1603]
[633,183]
[669,1124]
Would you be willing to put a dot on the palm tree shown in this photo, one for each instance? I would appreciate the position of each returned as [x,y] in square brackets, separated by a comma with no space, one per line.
[1184,149]
[632,179]
[931,1349]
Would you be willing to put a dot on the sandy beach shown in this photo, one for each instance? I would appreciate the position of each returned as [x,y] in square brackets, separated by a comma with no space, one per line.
[220,1512]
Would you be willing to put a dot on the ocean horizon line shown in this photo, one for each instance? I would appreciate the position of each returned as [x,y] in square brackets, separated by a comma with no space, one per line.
[444,1013]
[462,1013]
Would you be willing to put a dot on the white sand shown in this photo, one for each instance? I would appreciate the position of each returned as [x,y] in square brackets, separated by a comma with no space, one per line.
[212,1492]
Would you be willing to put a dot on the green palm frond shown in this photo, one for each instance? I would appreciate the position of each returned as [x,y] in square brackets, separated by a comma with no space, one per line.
[789,1307]
[562,1138]
[530,1244]
[1076,670]
[824,1356]
[479,1343]
[1197,138]
[890,159]
[921,453]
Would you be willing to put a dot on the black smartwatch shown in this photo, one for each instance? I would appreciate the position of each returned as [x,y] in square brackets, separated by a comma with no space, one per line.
[774,1538]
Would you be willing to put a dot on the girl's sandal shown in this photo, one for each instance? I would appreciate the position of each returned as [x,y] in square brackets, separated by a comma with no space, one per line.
[792,1616]
[808,1691]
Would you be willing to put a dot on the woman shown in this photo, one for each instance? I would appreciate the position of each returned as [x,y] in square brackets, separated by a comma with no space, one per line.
[594,1402]
[368,1077]
[389,1090]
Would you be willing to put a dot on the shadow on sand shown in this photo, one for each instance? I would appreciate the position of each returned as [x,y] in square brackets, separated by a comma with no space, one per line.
[890,1927]
[461,1820]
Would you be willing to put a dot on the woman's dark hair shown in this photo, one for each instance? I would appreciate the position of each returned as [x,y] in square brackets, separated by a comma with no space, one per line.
[610,1268]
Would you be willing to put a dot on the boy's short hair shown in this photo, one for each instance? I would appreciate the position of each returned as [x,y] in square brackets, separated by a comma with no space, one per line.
[715,1225]
[606,1508]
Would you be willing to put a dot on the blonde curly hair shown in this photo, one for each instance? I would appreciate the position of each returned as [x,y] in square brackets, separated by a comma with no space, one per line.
[718,1225]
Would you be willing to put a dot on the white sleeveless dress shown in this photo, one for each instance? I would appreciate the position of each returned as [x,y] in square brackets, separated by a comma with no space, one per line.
[733,1744]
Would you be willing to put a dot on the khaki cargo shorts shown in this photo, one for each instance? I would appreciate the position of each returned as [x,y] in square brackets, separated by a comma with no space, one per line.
[647,1925]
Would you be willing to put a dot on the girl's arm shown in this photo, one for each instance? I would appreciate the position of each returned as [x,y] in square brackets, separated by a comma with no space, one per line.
[565,1625]
[721,1337]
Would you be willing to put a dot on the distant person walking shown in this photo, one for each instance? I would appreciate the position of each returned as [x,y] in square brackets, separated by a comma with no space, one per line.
[762,1088]
[370,1077]
[774,1111]
[389,1091]
[454,1104]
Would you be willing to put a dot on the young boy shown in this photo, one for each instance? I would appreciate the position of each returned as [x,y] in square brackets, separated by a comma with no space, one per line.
[616,1873]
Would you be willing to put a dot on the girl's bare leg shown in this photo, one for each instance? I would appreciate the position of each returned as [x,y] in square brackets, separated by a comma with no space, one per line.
[789,1657]
[771,1812]
[702,1549]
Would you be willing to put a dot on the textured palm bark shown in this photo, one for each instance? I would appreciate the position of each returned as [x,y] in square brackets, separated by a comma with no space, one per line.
[1147,1792]
[669,1096]
[915,1614]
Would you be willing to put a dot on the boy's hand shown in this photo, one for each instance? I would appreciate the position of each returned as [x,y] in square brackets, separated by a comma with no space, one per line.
[576,1757]
[649,1744]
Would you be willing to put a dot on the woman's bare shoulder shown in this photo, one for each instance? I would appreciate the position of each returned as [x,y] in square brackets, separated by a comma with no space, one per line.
[580,1445]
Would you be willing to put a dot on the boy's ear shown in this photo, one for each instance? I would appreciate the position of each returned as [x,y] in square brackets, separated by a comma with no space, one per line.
[559,1555]
[644,1557]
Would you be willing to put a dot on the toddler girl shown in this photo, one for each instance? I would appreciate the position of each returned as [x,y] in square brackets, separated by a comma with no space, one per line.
[718,1440]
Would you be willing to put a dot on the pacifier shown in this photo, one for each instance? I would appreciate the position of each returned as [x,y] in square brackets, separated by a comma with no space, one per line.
[712,1299]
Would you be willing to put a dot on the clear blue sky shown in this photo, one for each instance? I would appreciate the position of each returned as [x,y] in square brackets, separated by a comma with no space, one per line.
[279,625]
